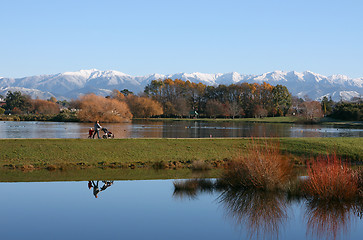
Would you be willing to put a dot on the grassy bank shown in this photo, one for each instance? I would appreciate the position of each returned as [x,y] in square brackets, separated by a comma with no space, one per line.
[52,154]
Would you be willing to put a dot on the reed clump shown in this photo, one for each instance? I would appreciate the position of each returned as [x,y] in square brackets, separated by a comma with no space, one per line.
[330,178]
[263,167]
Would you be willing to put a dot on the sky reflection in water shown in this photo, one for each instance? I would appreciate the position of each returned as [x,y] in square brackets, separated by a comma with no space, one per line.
[153,210]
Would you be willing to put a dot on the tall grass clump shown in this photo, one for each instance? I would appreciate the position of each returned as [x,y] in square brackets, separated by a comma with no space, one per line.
[263,167]
[331,179]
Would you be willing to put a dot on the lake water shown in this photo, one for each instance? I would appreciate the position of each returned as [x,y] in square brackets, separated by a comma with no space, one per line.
[152,209]
[173,129]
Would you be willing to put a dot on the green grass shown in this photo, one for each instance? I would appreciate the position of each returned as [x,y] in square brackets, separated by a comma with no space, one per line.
[42,153]
[347,148]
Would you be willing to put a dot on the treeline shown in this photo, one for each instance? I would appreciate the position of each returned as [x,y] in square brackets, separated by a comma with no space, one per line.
[118,107]
[18,103]
[184,98]
[178,98]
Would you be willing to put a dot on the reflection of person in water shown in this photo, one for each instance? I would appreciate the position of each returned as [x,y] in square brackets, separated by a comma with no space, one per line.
[96,189]
[106,184]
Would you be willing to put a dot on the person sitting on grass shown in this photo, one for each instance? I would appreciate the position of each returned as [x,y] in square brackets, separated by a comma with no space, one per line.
[97,129]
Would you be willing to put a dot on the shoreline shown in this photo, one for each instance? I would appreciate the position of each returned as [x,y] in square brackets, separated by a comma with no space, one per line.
[282,120]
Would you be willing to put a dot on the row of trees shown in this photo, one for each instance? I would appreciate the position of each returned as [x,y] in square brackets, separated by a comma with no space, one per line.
[115,108]
[19,103]
[180,98]
[170,98]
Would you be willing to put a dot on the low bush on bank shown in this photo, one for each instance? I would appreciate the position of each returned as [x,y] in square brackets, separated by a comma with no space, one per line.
[263,167]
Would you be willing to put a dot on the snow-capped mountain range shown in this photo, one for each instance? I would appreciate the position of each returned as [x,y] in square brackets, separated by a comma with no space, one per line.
[69,85]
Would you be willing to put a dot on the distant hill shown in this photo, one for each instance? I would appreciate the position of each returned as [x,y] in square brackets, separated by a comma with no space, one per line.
[69,85]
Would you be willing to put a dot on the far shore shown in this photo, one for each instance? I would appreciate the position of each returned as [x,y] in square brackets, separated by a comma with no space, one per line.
[287,119]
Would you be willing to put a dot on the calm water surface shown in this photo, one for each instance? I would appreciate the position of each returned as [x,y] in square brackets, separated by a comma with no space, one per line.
[173,129]
[154,210]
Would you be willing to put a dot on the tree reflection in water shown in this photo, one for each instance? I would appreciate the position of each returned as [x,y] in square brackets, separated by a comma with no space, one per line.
[330,219]
[261,212]
[96,189]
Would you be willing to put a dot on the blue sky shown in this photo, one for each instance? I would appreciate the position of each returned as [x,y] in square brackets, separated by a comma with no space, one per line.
[143,37]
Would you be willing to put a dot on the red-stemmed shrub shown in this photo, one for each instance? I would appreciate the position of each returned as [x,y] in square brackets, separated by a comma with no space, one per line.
[330,178]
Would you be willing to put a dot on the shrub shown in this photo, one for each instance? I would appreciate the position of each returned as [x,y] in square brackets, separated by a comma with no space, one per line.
[330,178]
[263,167]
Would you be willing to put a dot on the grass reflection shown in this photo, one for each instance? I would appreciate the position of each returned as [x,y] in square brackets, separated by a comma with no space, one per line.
[192,187]
[260,212]
[330,219]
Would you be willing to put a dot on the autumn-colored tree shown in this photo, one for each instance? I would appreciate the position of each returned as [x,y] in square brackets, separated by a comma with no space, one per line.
[143,107]
[44,107]
[260,112]
[95,107]
[234,109]
[215,108]
[75,104]
[116,94]
[52,99]
[312,110]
